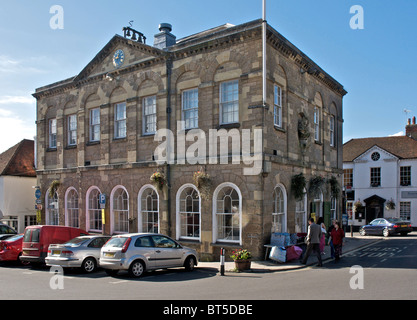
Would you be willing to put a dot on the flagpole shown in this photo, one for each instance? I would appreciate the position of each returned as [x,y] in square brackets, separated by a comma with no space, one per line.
[264,53]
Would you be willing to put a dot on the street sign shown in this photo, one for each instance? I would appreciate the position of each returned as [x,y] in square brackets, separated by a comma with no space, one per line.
[38,193]
[38,201]
[102,201]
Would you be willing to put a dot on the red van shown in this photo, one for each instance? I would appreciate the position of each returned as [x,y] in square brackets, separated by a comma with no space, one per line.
[37,239]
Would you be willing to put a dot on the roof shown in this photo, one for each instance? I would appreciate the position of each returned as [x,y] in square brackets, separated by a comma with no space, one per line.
[402,147]
[18,160]
[210,38]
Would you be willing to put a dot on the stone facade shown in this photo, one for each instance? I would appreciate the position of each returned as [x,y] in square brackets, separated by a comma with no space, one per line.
[120,167]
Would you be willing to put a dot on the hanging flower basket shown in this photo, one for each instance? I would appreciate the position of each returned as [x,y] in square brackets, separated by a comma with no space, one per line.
[202,181]
[315,186]
[334,187]
[298,184]
[357,206]
[158,179]
[54,187]
[390,205]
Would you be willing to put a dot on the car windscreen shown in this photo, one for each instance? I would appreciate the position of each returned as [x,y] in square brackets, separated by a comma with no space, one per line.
[116,242]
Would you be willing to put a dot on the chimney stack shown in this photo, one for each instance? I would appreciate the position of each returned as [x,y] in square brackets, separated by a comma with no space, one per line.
[165,38]
[411,128]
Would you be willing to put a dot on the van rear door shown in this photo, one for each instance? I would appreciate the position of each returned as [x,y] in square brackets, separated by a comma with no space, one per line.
[31,243]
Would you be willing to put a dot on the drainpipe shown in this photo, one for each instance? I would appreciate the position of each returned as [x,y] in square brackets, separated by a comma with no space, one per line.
[169,111]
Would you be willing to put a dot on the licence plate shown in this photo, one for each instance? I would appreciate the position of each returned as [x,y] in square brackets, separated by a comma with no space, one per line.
[109,254]
[404,226]
[56,252]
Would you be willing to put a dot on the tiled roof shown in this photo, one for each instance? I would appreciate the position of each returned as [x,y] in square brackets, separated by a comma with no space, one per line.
[402,147]
[18,160]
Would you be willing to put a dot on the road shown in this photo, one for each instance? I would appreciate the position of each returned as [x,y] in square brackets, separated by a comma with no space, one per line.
[385,270]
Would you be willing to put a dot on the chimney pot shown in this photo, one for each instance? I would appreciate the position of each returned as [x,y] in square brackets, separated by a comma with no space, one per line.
[414,120]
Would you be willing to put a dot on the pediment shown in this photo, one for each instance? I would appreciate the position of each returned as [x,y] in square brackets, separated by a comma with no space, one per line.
[371,155]
[134,53]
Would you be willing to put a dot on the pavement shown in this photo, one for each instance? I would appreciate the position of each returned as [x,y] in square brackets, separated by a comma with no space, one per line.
[351,243]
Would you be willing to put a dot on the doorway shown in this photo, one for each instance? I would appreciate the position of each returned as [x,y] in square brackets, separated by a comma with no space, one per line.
[374,208]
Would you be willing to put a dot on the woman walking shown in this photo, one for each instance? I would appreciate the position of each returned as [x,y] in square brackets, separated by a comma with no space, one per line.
[336,236]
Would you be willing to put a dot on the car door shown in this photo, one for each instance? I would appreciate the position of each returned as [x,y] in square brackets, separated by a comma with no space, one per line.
[372,228]
[168,253]
[381,226]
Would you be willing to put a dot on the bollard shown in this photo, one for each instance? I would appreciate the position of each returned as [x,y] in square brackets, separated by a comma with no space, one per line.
[222,261]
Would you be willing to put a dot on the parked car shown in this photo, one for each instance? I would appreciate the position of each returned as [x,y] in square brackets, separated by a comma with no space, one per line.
[37,239]
[6,231]
[140,252]
[81,252]
[386,227]
[11,248]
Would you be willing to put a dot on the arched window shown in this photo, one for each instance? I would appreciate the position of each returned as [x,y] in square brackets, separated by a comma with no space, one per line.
[71,208]
[94,219]
[279,211]
[52,209]
[227,206]
[148,209]
[188,212]
[119,204]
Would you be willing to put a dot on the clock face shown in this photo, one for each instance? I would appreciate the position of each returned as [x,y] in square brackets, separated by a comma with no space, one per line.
[118,58]
[375,156]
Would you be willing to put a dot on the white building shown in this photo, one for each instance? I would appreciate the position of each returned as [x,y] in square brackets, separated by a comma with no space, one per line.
[17,178]
[381,174]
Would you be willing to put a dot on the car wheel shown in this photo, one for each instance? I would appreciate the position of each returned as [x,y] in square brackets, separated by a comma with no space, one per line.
[189,264]
[137,268]
[111,272]
[385,232]
[89,265]
[362,232]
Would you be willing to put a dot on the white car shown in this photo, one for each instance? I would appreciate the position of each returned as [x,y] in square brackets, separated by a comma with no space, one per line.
[140,252]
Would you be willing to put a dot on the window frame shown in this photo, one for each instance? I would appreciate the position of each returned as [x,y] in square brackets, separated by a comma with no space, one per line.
[234,103]
[375,177]
[119,210]
[93,125]
[185,102]
[316,122]
[72,213]
[217,214]
[52,139]
[154,211]
[332,122]
[181,213]
[118,122]
[405,176]
[146,116]
[278,106]
[94,213]
[279,206]
[72,130]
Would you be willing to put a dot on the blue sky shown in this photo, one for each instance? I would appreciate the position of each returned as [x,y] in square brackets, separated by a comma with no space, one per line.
[376,65]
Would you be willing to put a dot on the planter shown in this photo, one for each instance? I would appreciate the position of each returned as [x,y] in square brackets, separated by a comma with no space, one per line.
[242,265]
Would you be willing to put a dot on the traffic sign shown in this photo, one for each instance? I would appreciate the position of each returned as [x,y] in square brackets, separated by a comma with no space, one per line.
[38,193]
[102,201]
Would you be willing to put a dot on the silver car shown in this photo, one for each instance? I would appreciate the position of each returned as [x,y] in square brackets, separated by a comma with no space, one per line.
[80,252]
[140,252]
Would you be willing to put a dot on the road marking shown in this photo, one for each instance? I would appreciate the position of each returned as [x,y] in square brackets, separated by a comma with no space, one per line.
[117,282]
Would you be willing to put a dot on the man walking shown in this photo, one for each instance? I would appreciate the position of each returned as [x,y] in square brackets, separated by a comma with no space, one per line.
[313,241]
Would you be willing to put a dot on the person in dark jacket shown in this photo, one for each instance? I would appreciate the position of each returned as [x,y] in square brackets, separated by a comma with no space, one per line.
[337,236]
[313,241]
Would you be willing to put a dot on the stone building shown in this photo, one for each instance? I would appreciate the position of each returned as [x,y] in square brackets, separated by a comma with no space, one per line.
[96,134]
